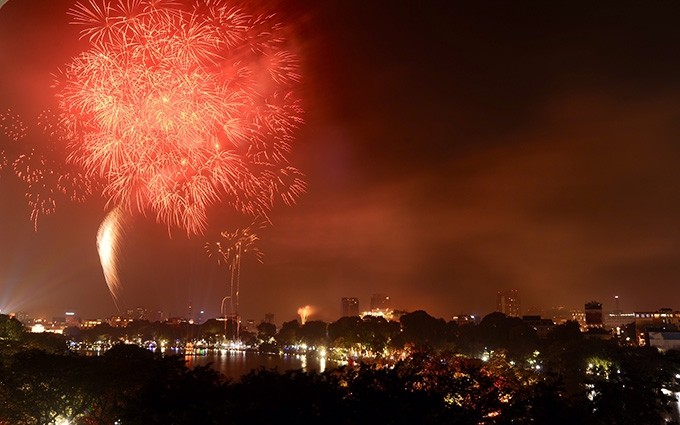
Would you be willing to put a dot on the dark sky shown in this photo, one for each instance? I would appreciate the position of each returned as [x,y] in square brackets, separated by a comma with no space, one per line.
[452,149]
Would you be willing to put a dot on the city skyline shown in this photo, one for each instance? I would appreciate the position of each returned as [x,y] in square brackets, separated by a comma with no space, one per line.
[449,153]
[350,306]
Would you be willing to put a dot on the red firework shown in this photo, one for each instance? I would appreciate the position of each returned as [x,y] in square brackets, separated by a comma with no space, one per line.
[179,108]
[38,158]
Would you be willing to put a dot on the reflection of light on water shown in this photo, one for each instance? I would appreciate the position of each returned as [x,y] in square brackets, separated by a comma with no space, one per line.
[322,360]
[321,357]
[234,364]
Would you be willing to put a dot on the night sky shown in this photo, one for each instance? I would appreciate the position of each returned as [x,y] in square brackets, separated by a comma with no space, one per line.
[452,150]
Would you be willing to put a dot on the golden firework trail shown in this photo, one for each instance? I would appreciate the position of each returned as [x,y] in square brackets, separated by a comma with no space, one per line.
[108,243]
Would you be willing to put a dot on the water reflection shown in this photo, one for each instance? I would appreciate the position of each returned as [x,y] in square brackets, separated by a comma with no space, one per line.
[234,364]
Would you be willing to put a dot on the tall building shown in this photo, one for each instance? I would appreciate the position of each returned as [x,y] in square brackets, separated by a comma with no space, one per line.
[508,303]
[349,307]
[380,302]
[71,319]
[594,318]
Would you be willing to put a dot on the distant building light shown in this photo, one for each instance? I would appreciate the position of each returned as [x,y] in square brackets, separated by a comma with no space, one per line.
[70,313]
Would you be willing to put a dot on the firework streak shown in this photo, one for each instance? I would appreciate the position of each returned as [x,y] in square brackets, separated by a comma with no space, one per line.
[108,242]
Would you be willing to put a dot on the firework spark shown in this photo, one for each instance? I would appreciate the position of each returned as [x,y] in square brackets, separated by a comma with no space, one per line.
[108,242]
[232,246]
[38,157]
[304,313]
[230,250]
[181,108]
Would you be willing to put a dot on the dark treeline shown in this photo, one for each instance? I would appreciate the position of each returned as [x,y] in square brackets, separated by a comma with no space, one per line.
[565,378]
[370,333]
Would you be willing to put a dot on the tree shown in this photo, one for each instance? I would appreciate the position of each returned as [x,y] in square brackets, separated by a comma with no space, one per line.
[565,333]
[376,332]
[314,332]
[294,397]
[211,328]
[345,331]
[10,328]
[498,331]
[40,387]
[46,341]
[422,330]
[101,332]
[170,393]
[637,388]
[266,331]
[73,333]
[289,334]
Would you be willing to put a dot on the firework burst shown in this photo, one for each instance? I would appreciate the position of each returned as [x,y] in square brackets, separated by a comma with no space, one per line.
[179,108]
[230,250]
[304,313]
[37,154]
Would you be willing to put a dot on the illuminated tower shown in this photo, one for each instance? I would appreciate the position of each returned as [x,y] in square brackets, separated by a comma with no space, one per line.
[349,307]
[594,314]
[508,303]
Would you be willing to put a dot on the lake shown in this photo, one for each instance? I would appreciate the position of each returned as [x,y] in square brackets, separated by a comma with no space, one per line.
[234,364]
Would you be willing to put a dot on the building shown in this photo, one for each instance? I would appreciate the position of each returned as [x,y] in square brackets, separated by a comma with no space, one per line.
[664,341]
[71,319]
[465,319]
[579,316]
[662,320]
[618,319]
[594,317]
[508,303]
[91,323]
[380,303]
[118,321]
[540,325]
[381,306]
[250,326]
[349,307]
